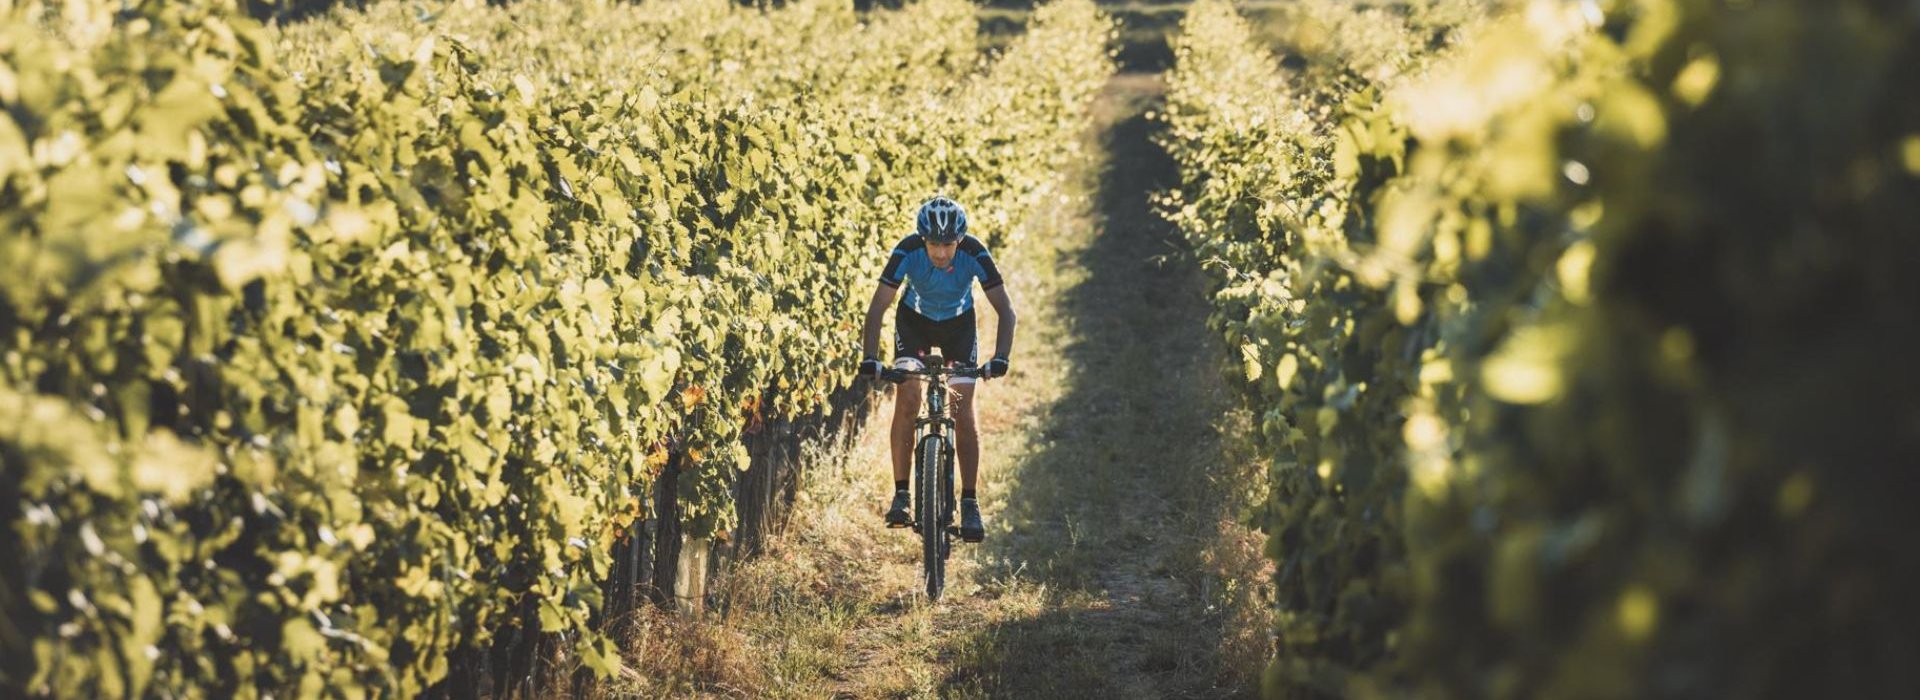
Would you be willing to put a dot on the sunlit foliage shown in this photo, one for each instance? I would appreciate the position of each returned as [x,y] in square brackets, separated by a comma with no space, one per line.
[1577,332]
[328,349]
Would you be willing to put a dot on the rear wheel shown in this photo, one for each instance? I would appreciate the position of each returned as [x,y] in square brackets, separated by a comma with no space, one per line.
[930,469]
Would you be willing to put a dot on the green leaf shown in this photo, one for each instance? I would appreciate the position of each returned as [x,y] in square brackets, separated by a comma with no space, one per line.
[174,469]
[599,654]
[398,426]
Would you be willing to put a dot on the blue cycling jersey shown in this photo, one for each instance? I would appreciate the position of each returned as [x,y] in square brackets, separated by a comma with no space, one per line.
[935,293]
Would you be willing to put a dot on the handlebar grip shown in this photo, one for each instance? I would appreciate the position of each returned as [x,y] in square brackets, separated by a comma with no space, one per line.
[894,375]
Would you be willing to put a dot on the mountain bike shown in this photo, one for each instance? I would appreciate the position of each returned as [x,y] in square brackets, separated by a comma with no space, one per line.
[933,467]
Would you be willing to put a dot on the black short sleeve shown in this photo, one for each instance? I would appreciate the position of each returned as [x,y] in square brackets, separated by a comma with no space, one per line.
[989,272]
[892,275]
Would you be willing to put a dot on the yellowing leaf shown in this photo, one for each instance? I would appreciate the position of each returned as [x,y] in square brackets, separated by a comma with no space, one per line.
[1284,373]
[1796,493]
[599,654]
[1629,113]
[1526,369]
[176,115]
[13,147]
[1696,81]
[242,261]
[348,224]
[1574,267]
[171,468]
[399,426]
[1406,302]
[525,89]
[1638,612]
[656,375]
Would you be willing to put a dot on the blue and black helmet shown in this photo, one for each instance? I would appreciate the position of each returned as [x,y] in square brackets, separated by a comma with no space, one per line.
[941,220]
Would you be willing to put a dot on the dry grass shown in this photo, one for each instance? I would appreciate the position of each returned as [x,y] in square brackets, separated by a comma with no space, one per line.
[668,653]
[1236,563]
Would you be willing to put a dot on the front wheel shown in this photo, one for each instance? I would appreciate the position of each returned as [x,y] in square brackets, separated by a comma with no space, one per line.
[930,471]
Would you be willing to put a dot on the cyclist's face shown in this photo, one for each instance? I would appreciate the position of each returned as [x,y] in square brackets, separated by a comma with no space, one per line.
[942,253]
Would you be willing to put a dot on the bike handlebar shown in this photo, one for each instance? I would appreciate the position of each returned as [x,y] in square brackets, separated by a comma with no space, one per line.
[900,375]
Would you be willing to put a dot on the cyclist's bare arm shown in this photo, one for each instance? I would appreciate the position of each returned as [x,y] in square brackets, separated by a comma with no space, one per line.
[876,310]
[1002,308]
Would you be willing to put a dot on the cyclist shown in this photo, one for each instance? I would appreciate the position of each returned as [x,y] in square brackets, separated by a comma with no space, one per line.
[938,264]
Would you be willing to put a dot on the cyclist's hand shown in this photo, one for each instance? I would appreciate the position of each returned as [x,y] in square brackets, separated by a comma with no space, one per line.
[997,368]
[871,368]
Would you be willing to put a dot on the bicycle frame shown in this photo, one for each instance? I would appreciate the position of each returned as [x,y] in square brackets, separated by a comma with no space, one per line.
[933,439]
[935,420]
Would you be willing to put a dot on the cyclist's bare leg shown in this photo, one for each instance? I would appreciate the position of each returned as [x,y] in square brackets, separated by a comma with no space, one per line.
[906,408]
[966,437]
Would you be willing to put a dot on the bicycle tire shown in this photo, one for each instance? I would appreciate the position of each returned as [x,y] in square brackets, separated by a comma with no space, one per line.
[927,503]
[950,508]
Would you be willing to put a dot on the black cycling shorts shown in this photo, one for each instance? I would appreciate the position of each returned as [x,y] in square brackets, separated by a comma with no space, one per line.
[915,335]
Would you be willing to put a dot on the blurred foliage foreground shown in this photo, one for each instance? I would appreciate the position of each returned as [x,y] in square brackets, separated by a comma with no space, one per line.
[1581,337]
[327,353]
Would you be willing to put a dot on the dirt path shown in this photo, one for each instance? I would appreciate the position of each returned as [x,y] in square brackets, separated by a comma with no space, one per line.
[1111,506]
[1111,567]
